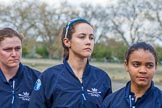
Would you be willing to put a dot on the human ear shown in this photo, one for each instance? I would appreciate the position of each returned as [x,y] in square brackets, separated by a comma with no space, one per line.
[67,42]
[126,65]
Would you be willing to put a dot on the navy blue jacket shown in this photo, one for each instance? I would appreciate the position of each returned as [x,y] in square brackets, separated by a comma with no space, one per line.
[58,87]
[123,98]
[16,92]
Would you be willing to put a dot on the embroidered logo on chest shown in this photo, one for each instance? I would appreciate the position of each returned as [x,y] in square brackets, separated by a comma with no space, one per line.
[24,96]
[94,92]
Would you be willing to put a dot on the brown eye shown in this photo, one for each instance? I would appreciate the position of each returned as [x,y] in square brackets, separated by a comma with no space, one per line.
[17,49]
[135,64]
[8,49]
[81,36]
[149,65]
[91,37]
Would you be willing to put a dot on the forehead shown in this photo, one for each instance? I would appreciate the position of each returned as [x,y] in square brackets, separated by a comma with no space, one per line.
[10,41]
[83,27]
[142,55]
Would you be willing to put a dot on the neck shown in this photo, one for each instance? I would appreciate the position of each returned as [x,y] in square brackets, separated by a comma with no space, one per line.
[139,91]
[78,66]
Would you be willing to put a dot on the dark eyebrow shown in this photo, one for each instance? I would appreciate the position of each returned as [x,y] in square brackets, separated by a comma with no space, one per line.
[85,34]
[81,34]
[136,61]
[149,63]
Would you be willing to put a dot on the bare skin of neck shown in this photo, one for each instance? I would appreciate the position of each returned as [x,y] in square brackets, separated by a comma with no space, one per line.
[9,72]
[78,67]
[139,91]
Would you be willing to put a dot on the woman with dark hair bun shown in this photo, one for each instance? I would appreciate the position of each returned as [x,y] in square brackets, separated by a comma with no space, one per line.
[140,92]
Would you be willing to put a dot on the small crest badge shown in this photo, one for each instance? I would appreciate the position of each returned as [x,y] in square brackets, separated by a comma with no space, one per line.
[37,85]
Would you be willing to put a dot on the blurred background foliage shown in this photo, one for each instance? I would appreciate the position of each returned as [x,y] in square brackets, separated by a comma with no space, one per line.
[117,26]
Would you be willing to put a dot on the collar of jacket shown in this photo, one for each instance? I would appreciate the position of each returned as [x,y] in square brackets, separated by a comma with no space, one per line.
[86,71]
[18,75]
[128,92]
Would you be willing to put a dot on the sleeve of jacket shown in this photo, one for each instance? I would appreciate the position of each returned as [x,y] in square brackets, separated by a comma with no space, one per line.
[107,85]
[107,102]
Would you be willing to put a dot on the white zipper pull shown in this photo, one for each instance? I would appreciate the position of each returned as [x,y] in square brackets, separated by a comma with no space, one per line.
[83,94]
[130,101]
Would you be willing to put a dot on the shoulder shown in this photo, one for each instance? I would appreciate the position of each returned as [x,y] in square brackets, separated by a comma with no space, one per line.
[30,71]
[115,100]
[54,69]
[114,96]
[119,93]
[52,72]
[100,74]
[29,74]
[97,70]
[157,91]
[157,96]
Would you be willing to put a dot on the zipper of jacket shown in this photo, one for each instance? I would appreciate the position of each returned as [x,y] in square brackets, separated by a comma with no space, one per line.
[83,96]
[130,101]
[13,93]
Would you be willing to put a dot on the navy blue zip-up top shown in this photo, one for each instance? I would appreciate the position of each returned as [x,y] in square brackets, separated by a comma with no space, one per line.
[16,92]
[124,98]
[58,87]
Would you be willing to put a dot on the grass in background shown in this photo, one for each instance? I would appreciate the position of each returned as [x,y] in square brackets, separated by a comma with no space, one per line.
[115,71]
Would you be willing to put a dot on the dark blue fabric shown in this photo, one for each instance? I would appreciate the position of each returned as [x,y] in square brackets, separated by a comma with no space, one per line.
[23,84]
[60,88]
[123,98]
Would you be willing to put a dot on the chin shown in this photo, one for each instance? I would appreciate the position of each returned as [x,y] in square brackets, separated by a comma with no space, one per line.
[86,57]
[144,84]
[14,65]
